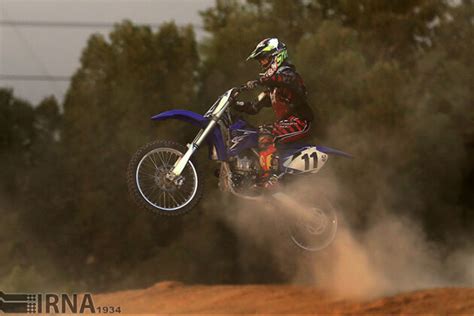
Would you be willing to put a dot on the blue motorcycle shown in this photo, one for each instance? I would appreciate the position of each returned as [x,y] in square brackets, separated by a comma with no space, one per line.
[163,176]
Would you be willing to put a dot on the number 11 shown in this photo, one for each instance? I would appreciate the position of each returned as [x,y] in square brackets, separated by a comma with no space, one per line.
[305,157]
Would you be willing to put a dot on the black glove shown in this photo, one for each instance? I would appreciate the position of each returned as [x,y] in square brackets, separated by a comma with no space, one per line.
[252,84]
[241,106]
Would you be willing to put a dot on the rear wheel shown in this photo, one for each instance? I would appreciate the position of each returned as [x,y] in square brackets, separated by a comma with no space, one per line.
[152,190]
[316,228]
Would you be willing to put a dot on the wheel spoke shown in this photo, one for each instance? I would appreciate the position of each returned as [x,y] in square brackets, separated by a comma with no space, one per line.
[152,175]
[170,155]
[149,166]
[180,195]
[153,162]
[161,158]
[172,197]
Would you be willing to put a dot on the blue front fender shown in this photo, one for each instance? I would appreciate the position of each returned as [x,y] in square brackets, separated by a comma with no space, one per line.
[182,115]
[215,137]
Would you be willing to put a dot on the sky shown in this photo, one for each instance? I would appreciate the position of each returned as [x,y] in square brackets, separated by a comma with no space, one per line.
[46,51]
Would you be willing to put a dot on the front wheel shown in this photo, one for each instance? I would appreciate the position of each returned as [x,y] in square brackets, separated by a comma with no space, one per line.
[314,228]
[152,190]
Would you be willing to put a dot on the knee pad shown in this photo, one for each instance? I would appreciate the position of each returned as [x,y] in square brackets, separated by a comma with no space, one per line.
[265,141]
[265,137]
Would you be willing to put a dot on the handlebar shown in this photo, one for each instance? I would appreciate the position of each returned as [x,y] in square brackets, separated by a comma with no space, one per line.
[241,88]
[238,90]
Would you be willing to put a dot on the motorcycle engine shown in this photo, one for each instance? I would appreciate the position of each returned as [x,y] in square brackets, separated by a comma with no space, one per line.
[244,170]
[244,164]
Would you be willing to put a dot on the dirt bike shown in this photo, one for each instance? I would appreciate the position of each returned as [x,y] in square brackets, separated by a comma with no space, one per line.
[163,176]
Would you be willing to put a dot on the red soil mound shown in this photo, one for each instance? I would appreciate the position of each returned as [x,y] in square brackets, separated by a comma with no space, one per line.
[174,297]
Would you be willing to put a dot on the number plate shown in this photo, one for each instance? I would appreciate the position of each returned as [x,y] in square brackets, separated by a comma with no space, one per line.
[307,160]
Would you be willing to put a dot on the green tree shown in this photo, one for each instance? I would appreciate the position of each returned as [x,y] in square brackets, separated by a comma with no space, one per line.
[391,82]
[122,82]
[26,134]
[388,29]
[16,136]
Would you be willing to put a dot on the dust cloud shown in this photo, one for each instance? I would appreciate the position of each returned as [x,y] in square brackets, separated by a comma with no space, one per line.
[388,255]
[393,202]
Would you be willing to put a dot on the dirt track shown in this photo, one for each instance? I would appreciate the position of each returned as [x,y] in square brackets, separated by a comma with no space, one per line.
[172,297]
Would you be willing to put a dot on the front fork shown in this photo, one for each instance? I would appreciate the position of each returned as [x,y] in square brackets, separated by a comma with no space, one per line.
[179,165]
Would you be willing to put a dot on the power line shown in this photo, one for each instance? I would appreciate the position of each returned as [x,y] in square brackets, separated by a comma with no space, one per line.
[39,61]
[77,24]
[58,24]
[47,24]
[16,77]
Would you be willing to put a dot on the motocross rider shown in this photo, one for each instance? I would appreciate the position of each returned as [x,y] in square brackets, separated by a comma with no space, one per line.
[285,92]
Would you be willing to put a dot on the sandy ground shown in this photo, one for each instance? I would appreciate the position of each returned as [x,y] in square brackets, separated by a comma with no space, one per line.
[177,298]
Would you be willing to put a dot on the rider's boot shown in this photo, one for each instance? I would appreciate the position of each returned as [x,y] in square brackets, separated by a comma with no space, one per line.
[268,181]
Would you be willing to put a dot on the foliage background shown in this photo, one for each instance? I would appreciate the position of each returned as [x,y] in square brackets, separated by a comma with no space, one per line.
[390,81]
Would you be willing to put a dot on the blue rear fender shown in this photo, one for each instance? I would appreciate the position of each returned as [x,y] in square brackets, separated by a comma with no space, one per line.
[332,151]
[214,139]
